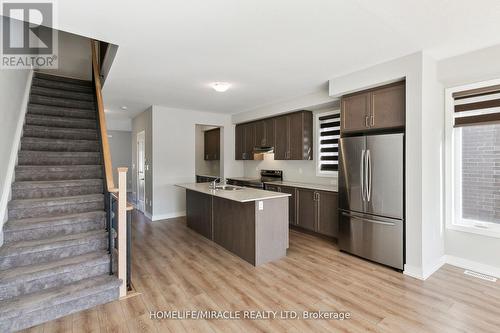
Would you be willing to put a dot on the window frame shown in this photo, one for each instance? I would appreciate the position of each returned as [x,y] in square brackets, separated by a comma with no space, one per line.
[453,168]
[317,140]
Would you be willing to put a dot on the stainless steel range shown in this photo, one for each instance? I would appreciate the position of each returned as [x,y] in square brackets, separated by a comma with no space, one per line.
[265,176]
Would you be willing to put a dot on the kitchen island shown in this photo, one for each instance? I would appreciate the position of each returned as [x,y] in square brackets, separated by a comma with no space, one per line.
[251,223]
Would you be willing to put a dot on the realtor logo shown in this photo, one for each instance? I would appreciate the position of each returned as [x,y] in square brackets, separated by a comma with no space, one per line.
[28,41]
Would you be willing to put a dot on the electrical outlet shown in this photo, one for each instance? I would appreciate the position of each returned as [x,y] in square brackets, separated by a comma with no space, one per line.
[300,170]
[261,205]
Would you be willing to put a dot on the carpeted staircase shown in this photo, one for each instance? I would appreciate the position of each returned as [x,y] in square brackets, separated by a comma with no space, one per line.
[54,260]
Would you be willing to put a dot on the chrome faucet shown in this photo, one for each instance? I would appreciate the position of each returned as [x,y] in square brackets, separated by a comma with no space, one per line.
[213,183]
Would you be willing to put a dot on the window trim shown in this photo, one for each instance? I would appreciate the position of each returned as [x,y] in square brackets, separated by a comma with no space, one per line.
[317,140]
[452,181]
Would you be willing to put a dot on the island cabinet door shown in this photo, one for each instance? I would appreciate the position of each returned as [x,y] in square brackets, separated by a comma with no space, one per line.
[306,209]
[234,227]
[199,212]
[327,204]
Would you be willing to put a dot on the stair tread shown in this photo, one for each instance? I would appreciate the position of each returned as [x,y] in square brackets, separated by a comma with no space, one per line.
[50,129]
[44,244]
[58,78]
[62,93]
[55,201]
[30,272]
[61,141]
[55,183]
[58,295]
[59,153]
[59,118]
[69,86]
[61,111]
[46,221]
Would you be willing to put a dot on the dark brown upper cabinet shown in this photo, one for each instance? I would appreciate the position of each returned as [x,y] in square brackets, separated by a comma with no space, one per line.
[244,141]
[291,135]
[264,132]
[212,145]
[374,109]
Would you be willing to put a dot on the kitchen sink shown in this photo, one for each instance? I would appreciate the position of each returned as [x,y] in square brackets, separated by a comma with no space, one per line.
[227,187]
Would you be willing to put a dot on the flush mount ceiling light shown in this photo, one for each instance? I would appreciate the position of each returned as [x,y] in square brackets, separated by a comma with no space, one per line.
[221,86]
[124,108]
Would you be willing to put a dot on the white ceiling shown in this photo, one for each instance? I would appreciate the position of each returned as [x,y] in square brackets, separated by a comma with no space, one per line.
[270,50]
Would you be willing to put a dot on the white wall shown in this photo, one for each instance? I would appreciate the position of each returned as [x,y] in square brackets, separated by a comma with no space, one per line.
[174,155]
[118,122]
[74,57]
[465,249]
[144,122]
[203,167]
[14,90]
[120,146]
[422,165]
[432,168]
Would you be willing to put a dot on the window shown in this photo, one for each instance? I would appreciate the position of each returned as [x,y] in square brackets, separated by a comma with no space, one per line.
[474,132]
[328,133]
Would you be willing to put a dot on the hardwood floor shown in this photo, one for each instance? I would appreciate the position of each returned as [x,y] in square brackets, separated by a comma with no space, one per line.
[176,269]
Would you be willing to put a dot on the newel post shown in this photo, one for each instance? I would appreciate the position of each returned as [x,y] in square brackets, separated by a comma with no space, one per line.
[122,229]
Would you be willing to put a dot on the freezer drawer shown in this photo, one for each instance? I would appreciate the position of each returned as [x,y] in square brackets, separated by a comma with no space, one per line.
[372,237]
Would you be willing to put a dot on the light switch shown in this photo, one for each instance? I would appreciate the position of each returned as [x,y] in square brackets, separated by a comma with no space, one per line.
[261,205]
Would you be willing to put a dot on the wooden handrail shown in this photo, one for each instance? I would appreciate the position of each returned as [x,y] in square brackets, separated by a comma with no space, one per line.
[108,166]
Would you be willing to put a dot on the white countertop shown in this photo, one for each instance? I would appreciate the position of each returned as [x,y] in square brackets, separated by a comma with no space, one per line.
[246,194]
[319,187]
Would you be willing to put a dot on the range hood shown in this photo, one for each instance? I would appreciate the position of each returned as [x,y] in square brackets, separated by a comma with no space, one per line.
[263,150]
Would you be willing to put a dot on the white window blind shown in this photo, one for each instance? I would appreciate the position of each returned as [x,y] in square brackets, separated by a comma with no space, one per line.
[329,134]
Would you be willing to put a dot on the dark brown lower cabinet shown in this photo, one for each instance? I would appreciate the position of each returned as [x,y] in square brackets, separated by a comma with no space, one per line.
[199,212]
[312,210]
[327,205]
[291,200]
[306,209]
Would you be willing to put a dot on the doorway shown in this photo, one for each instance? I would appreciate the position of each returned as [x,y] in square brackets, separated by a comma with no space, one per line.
[141,168]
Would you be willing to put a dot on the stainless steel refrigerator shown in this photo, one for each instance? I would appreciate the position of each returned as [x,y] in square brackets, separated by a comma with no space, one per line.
[371,198]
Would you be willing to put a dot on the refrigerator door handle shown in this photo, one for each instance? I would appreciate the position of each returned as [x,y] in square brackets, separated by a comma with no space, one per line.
[366,219]
[362,167]
[369,175]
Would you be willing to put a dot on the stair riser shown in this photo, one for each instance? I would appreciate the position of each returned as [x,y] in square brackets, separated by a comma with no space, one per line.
[58,175]
[77,146]
[40,316]
[58,93]
[54,78]
[53,254]
[69,103]
[60,112]
[20,288]
[61,85]
[22,213]
[67,191]
[53,231]
[60,133]
[54,160]
[60,122]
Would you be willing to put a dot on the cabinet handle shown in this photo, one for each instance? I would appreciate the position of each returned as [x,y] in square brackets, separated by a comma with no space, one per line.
[366,121]
[372,120]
